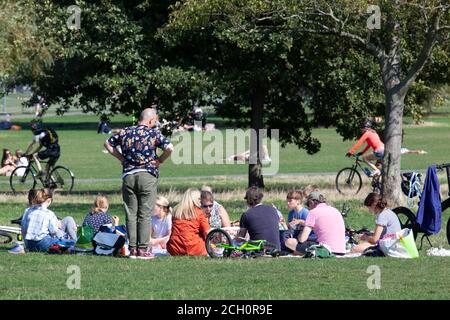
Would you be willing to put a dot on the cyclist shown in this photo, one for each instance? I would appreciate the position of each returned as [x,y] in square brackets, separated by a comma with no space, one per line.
[373,141]
[46,138]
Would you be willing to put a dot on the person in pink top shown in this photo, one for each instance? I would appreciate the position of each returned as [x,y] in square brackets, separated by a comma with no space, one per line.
[373,141]
[327,223]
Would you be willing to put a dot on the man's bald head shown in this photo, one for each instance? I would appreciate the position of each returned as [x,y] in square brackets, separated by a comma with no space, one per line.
[147,114]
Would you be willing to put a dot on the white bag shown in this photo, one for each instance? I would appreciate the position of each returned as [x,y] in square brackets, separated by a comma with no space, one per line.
[394,245]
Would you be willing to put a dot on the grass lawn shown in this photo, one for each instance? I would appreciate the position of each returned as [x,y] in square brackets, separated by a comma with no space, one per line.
[41,276]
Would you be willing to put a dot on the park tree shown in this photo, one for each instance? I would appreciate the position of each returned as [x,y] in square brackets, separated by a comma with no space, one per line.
[383,31]
[20,49]
[107,60]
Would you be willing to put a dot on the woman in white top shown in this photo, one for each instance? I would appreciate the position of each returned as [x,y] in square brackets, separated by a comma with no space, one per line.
[161,226]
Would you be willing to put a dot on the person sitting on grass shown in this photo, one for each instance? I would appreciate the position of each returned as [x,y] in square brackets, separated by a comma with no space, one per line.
[327,223]
[98,216]
[161,226]
[40,226]
[260,221]
[386,222]
[8,163]
[217,215]
[22,162]
[189,227]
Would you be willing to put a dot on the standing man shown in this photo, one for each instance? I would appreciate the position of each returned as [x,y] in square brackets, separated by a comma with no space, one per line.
[260,220]
[135,147]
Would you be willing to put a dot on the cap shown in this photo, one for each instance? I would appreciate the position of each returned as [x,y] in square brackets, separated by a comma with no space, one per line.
[315,195]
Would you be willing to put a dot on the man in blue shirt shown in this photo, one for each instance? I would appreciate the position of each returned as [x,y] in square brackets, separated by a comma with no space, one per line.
[135,147]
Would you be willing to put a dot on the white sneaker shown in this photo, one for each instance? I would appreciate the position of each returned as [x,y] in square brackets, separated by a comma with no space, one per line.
[18,249]
[375,173]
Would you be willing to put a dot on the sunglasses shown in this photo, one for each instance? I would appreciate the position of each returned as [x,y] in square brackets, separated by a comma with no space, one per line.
[207,206]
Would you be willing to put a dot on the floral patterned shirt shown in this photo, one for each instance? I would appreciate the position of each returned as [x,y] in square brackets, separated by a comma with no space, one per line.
[138,145]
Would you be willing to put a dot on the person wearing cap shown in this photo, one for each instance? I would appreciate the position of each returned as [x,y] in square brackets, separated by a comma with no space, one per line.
[327,223]
[260,220]
[373,141]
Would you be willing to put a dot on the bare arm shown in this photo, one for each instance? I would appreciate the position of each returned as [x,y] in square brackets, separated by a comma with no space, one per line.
[376,236]
[305,234]
[114,152]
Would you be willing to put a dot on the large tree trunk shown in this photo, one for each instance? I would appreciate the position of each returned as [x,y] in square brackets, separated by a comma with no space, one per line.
[392,156]
[395,96]
[255,177]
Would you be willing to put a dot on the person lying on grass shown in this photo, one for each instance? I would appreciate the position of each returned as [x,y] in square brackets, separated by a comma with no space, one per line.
[40,226]
[386,222]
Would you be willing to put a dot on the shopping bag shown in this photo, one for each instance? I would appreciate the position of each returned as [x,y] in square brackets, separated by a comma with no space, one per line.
[399,245]
[85,234]
[406,238]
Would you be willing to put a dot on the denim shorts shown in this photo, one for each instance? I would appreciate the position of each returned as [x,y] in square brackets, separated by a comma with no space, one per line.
[379,154]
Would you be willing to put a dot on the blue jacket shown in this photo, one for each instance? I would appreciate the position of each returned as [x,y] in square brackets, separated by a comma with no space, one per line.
[429,216]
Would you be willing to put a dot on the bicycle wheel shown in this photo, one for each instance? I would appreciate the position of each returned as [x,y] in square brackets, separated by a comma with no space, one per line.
[376,184]
[216,241]
[5,237]
[61,178]
[407,219]
[24,182]
[445,206]
[348,181]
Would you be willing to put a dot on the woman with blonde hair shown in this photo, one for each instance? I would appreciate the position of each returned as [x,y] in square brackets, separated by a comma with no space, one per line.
[161,226]
[98,216]
[189,227]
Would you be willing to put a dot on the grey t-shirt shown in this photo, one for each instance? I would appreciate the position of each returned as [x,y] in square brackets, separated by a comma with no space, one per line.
[388,219]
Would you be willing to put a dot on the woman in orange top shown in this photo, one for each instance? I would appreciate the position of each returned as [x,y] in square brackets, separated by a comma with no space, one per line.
[373,141]
[189,227]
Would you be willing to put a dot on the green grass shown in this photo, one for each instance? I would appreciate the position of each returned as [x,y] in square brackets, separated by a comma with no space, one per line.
[39,276]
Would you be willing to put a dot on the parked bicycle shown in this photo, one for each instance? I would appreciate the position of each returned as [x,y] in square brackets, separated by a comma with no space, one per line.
[349,181]
[24,178]
[7,233]
[409,220]
[219,245]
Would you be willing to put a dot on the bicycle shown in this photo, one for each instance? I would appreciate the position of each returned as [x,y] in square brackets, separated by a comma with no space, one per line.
[352,235]
[7,233]
[349,181]
[219,245]
[409,220]
[24,178]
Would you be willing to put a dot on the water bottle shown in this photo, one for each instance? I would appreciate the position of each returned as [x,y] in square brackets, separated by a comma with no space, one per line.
[367,171]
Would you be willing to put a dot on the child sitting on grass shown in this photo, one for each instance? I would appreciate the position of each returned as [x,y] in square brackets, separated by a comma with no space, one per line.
[99,214]
[40,226]
[161,226]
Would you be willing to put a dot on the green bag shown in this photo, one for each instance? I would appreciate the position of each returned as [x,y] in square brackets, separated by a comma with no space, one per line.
[318,251]
[85,234]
